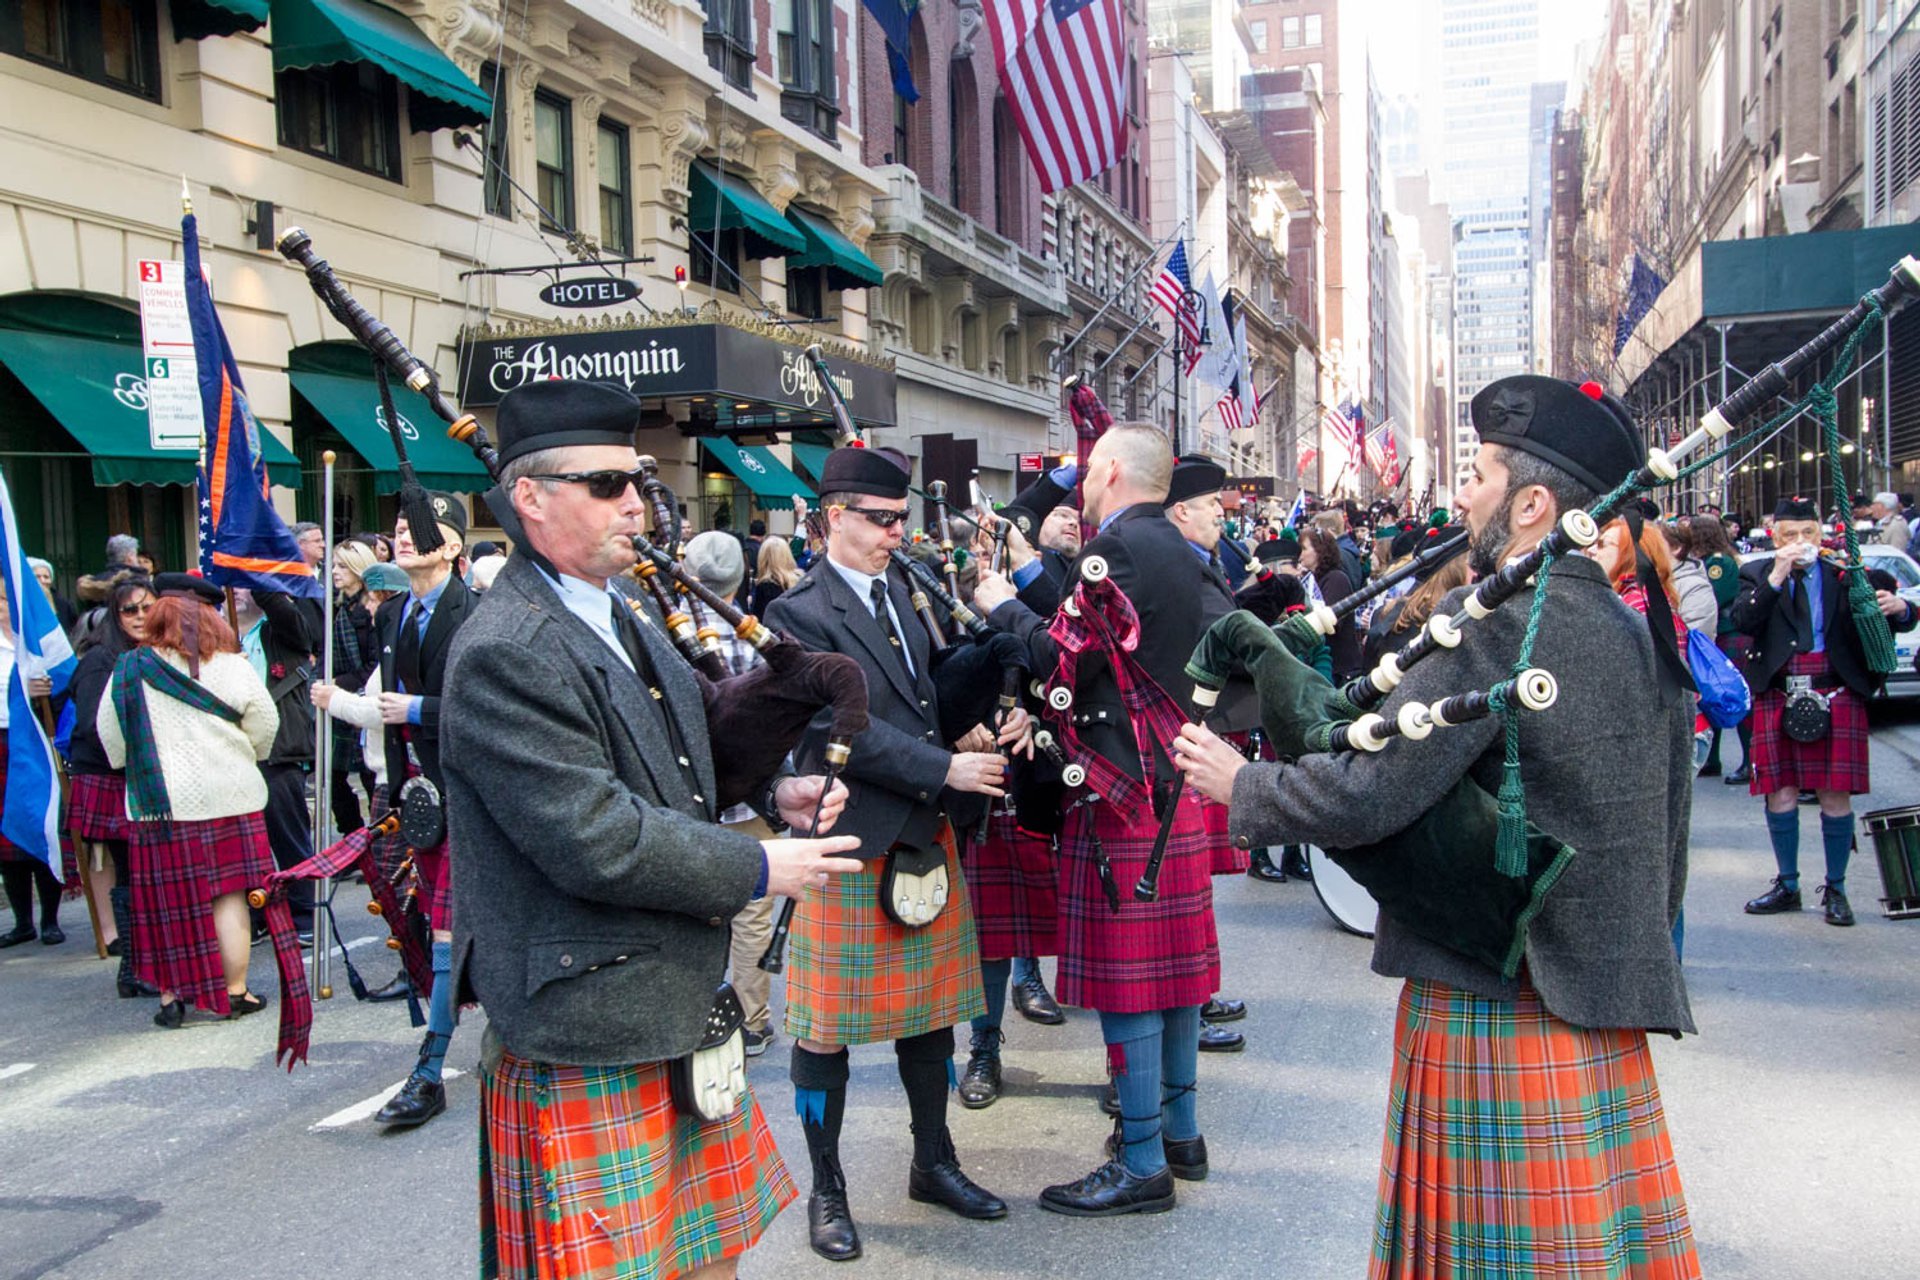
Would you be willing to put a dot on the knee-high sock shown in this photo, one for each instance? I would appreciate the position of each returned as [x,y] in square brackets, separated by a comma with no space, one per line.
[1836,837]
[1133,1056]
[19,881]
[1180,1073]
[926,1072]
[820,1099]
[440,1015]
[993,976]
[49,896]
[1784,830]
[1713,752]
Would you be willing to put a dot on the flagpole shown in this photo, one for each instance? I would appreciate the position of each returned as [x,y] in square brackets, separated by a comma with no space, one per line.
[323,750]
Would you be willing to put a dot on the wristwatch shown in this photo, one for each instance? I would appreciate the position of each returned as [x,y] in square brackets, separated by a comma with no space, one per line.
[769,806]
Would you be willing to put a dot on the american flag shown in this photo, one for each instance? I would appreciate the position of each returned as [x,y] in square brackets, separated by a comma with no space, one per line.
[1342,428]
[1230,413]
[1307,455]
[1377,452]
[1173,285]
[1063,64]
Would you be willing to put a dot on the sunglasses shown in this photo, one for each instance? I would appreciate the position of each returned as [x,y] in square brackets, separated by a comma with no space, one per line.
[882,518]
[604,485]
[130,610]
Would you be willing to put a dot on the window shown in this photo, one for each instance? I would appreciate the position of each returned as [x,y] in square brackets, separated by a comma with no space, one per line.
[1259,28]
[1008,194]
[963,139]
[553,160]
[902,133]
[1311,38]
[807,292]
[115,43]
[804,61]
[729,40]
[1289,33]
[499,162]
[348,113]
[706,247]
[616,200]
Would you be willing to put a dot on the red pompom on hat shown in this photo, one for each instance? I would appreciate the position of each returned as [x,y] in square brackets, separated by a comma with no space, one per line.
[1592,390]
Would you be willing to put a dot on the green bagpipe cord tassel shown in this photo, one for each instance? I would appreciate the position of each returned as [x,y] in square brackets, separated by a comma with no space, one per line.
[1510,845]
[1876,634]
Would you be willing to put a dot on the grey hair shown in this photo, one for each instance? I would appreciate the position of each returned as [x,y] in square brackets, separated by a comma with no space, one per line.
[35,564]
[122,548]
[1145,456]
[1525,469]
[303,528]
[1891,501]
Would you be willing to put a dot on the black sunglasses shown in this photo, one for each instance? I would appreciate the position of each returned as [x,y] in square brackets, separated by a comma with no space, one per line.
[884,519]
[129,610]
[604,485]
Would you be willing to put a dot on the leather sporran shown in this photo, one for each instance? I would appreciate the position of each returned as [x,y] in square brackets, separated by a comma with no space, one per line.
[710,1083]
[423,814]
[914,886]
[1808,716]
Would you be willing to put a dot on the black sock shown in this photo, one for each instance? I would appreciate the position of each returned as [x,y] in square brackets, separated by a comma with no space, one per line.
[820,1098]
[50,890]
[19,881]
[926,1072]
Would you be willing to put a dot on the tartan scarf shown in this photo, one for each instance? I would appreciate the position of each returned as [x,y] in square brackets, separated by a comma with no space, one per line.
[136,672]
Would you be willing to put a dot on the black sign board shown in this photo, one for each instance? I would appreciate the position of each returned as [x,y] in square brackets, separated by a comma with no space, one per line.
[1252,486]
[675,361]
[591,291]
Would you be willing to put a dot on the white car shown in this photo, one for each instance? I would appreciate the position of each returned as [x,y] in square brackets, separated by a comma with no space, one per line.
[1905,681]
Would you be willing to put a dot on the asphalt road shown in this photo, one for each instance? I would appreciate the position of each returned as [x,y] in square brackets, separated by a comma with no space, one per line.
[132,1152]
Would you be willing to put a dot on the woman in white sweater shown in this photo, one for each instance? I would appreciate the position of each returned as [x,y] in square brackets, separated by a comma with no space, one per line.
[187,717]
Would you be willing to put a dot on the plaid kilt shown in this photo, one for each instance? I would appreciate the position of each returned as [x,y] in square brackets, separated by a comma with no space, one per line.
[178,869]
[1519,1146]
[1838,762]
[97,806]
[1163,954]
[856,977]
[1010,887]
[1224,857]
[436,884]
[590,1172]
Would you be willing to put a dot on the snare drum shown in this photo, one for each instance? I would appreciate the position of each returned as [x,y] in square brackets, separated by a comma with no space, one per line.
[1351,907]
[1896,844]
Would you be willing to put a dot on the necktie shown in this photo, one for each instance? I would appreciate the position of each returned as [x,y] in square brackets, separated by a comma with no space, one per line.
[406,653]
[884,616]
[1800,610]
[628,630]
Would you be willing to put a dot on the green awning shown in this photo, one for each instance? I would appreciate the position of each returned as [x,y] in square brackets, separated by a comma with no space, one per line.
[847,267]
[740,208]
[97,391]
[321,33]
[760,471]
[352,406]
[200,19]
[811,456]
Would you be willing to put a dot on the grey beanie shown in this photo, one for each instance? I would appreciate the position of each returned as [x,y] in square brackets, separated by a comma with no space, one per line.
[715,558]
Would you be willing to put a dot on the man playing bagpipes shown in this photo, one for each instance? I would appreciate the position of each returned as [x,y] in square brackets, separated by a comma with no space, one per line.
[1525,1134]
[887,953]
[595,885]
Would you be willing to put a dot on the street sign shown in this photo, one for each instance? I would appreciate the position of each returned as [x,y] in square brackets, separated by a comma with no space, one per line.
[166,341]
[1033,462]
[591,291]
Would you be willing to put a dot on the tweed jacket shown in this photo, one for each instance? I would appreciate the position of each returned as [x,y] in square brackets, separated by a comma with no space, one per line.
[897,775]
[456,602]
[1607,769]
[593,889]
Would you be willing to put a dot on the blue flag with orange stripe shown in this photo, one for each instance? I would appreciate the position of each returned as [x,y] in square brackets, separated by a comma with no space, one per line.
[243,541]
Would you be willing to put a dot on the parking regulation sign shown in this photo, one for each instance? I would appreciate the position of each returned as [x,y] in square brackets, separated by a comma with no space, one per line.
[166,341]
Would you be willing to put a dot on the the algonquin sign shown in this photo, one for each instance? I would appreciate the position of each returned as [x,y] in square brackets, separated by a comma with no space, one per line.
[723,360]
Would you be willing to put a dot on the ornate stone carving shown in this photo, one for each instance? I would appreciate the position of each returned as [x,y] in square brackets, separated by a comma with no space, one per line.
[970,17]
[651,12]
[776,168]
[526,77]
[732,142]
[467,30]
[683,136]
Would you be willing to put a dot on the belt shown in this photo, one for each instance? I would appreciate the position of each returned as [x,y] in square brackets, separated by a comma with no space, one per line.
[1820,684]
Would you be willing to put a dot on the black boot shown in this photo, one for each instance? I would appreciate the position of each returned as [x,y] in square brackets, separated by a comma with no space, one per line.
[120,897]
[820,1096]
[1262,868]
[1293,861]
[980,1084]
[830,1229]
[936,1179]
[1035,1002]
[419,1099]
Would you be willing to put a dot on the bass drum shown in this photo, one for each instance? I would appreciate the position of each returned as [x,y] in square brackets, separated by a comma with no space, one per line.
[1351,907]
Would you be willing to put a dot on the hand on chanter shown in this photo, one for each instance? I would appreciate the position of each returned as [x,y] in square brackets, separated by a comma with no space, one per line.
[1209,761]
[1016,733]
[796,868]
[991,591]
[795,798]
[982,772]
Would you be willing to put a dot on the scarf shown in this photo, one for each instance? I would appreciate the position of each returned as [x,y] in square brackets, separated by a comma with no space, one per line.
[136,672]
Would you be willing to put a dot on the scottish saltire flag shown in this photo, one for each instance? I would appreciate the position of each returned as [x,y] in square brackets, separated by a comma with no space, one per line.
[895,19]
[243,541]
[1298,511]
[31,818]
[1063,65]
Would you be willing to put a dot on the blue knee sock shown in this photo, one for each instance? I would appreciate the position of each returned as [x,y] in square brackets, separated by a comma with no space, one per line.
[1133,1055]
[1784,830]
[1024,967]
[993,976]
[1836,836]
[1180,1072]
[440,1015]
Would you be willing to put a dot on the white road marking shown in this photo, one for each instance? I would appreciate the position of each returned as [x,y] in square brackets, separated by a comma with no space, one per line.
[365,940]
[365,1110]
[15,1069]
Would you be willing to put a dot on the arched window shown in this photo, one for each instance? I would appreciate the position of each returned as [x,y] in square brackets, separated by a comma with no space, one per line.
[963,139]
[1009,187]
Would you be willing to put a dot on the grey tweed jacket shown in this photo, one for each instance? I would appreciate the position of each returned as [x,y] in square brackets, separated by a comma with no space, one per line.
[1607,770]
[592,888]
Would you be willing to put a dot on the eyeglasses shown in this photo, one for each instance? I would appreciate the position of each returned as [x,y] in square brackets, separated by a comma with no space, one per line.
[604,485]
[878,516]
[129,610]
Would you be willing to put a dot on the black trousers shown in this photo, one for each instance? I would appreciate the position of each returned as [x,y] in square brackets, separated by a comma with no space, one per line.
[290,832]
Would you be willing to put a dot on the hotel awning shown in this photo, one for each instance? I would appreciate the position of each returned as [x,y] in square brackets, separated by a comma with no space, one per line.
[322,33]
[729,203]
[199,19]
[811,456]
[847,267]
[760,471]
[352,406]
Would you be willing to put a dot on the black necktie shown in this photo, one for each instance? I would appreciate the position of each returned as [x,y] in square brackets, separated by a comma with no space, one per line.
[884,616]
[1800,611]
[406,652]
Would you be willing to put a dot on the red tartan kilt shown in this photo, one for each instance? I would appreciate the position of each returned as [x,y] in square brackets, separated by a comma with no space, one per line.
[1838,762]
[178,869]
[97,806]
[1163,954]
[436,884]
[1010,879]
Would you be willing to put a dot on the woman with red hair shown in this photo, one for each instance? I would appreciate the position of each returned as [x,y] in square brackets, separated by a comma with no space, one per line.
[188,719]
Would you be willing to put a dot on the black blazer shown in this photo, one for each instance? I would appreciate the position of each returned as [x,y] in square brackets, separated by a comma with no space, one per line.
[456,605]
[1756,613]
[897,774]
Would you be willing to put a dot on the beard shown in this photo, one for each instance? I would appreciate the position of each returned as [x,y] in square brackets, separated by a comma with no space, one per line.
[1489,546]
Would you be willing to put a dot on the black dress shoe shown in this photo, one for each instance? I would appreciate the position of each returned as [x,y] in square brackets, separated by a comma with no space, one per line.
[1711,769]
[1221,1010]
[1109,1191]
[52,935]
[1775,900]
[17,935]
[944,1184]
[1187,1157]
[1035,1002]
[1220,1040]
[1293,861]
[830,1228]
[1262,868]
[418,1101]
[1739,777]
[134,989]
[116,948]
[172,1015]
[1838,911]
[980,1084]
[239,1006]
[395,990]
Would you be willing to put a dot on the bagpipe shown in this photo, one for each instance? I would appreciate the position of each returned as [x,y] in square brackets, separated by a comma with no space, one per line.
[1470,873]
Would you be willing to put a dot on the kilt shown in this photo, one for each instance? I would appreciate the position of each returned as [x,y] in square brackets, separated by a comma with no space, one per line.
[436,884]
[97,806]
[1224,857]
[590,1172]
[856,977]
[178,869]
[1519,1146]
[1163,954]
[1838,762]
[1010,887]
